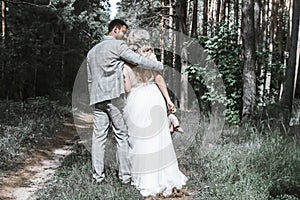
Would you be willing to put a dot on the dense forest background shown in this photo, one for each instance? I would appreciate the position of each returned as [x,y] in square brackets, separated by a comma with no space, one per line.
[241,60]
[254,45]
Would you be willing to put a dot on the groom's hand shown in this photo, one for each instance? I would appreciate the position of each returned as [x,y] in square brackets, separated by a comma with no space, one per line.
[160,66]
[153,57]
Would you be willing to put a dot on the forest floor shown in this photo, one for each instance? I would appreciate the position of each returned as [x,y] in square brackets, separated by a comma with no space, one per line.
[42,163]
[39,167]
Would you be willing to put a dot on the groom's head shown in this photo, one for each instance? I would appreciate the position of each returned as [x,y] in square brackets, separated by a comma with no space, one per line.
[117,28]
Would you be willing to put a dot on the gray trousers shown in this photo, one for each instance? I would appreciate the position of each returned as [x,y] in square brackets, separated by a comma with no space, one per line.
[104,113]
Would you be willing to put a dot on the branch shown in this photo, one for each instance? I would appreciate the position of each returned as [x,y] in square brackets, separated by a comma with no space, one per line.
[30,4]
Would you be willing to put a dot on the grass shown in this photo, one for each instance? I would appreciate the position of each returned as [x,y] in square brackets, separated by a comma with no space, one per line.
[24,126]
[247,166]
[73,181]
[253,167]
[258,163]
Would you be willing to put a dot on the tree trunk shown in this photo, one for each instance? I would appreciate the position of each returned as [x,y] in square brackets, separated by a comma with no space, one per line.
[259,31]
[270,31]
[162,28]
[205,17]
[228,12]
[62,66]
[180,30]
[275,71]
[236,18]
[217,15]
[288,5]
[3,20]
[170,46]
[35,81]
[280,43]
[212,17]
[3,35]
[222,10]
[194,20]
[236,12]
[288,87]
[171,50]
[188,17]
[184,80]
[297,80]
[210,10]
[264,46]
[248,36]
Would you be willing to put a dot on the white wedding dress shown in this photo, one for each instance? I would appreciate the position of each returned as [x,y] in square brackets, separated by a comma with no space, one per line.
[154,165]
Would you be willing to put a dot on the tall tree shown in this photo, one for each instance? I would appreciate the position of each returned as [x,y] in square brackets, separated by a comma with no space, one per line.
[297,81]
[205,17]
[249,76]
[288,86]
[3,27]
[47,43]
[162,27]
[259,29]
[3,34]
[180,31]
[281,27]
[194,19]
[217,10]
[236,15]
[222,10]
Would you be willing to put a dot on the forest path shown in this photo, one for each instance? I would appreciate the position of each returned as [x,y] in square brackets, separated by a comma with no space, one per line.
[39,167]
[43,162]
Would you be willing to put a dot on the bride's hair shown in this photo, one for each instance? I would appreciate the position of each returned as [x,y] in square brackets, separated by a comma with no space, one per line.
[139,41]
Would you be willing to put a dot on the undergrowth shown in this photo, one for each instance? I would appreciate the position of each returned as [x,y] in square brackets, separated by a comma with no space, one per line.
[27,125]
[248,164]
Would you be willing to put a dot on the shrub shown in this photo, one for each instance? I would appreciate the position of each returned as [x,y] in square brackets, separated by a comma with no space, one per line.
[25,126]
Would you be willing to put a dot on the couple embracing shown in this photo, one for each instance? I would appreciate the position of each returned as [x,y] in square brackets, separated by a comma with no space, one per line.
[128,91]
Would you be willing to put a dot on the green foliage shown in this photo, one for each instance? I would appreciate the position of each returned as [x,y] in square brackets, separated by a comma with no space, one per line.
[277,70]
[278,161]
[272,117]
[255,167]
[46,44]
[223,50]
[140,13]
[26,125]
[87,20]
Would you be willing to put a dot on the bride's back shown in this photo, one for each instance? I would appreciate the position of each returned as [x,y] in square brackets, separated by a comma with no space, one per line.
[138,41]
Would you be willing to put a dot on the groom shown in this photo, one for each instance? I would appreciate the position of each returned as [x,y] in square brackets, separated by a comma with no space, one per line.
[106,87]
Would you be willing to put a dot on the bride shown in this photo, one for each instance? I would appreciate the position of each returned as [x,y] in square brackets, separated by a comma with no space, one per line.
[154,165]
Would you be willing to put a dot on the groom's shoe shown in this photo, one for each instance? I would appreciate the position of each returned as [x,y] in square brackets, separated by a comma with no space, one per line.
[100,182]
[98,179]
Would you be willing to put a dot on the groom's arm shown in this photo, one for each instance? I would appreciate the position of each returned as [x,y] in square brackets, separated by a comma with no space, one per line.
[131,57]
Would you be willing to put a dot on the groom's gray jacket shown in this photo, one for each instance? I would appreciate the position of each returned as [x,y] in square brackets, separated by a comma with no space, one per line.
[105,62]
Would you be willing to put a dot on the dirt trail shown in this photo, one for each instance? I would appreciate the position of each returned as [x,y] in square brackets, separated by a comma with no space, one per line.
[43,162]
[38,168]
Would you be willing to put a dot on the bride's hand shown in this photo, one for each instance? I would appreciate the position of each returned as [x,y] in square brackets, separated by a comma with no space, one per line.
[171,106]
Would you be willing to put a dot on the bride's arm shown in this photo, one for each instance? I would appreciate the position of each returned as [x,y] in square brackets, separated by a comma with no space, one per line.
[160,81]
[127,82]
[163,88]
